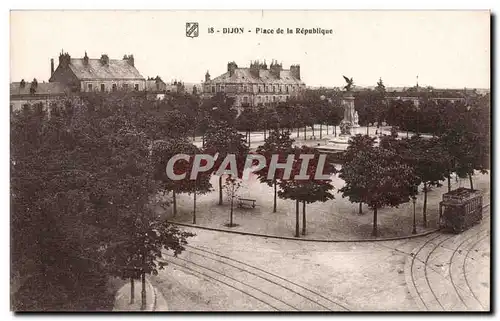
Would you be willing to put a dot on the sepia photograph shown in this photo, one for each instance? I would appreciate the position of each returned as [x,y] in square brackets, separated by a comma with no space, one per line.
[250,160]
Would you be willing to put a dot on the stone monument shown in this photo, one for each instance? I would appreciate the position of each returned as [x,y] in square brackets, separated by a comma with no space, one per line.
[350,114]
[349,121]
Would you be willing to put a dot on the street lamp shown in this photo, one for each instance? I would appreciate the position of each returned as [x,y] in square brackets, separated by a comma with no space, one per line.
[414,199]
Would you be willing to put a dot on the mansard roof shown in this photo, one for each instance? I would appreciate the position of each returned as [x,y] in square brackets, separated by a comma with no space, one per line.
[244,76]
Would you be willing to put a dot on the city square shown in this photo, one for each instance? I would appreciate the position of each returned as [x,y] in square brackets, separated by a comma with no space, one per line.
[269,185]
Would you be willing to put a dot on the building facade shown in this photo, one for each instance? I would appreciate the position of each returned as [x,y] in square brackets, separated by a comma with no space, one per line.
[257,85]
[97,75]
[31,93]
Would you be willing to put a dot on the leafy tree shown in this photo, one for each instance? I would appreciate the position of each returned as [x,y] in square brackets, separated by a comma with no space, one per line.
[380,103]
[223,140]
[334,116]
[277,143]
[309,190]
[219,109]
[162,152]
[80,179]
[357,144]
[425,157]
[378,178]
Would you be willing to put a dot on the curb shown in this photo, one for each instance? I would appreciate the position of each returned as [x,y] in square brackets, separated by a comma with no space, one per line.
[307,240]
[396,238]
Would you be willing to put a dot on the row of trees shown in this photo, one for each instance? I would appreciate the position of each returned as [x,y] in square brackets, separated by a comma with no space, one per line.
[82,189]
[84,180]
[392,172]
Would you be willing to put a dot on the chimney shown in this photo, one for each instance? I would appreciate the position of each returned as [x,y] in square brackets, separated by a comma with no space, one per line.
[85,59]
[51,66]
[64,59]
[275,69]
[104,59]
[231,67]
[129,59]
[295,71]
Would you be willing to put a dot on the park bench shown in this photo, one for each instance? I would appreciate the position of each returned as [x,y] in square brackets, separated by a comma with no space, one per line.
[246,202]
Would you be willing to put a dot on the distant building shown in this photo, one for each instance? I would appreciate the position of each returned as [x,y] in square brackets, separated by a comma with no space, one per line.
[97,75]
[30,93]
[257,85]
[156,85]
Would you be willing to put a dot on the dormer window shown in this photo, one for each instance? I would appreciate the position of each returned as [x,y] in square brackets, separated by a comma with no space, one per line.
[89,86]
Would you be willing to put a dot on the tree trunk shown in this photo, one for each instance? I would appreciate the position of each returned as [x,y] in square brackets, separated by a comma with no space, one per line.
[320,131]
[313,129]
[132,291]
[449,182]
[360,208]
[264,134]
[305,129]
[425,204]
[143,291]
[274,206]
[335,130]
[375,230]
[367,129]
[470,180]
[174,203]
[203,140]
[407,133]
[297,226]
[303,217]
[194,206]
[231,215]
[220,190]
[327,129]
[298,133]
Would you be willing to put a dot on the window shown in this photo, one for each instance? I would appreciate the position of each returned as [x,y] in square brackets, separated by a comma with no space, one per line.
[280,88]
[114,87]
[287,89]
[244,89]
[103,87]
[136,87]
[89,86]
[274,98]
[274,89]
[245,99]
[213,89]
[259,89]
[125,86]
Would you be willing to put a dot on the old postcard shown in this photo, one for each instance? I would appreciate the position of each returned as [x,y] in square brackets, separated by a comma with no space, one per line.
[250,160]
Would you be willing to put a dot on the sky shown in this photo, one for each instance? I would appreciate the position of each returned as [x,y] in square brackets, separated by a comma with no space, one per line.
[446,49]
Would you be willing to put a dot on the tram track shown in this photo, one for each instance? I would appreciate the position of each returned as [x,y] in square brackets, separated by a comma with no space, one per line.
[427,267]
[282,294]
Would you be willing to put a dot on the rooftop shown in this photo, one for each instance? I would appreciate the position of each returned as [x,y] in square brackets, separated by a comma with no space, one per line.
[95,69]
[44,88]
[243,75]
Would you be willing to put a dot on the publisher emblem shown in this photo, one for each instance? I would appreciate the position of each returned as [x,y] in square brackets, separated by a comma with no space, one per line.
[192,29]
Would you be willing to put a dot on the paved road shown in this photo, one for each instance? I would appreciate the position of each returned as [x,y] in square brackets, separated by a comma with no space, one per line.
[222,271]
